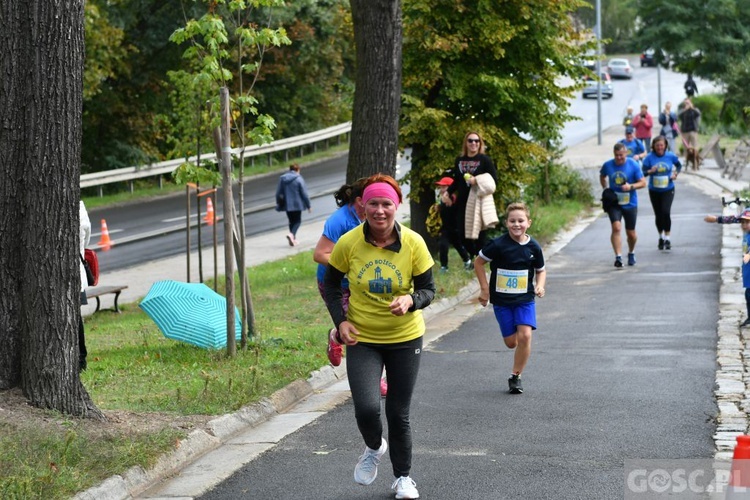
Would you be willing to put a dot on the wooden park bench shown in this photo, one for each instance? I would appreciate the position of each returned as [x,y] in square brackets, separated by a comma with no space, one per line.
[97,291]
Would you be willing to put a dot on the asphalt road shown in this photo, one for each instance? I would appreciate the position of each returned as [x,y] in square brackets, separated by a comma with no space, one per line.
[622,367]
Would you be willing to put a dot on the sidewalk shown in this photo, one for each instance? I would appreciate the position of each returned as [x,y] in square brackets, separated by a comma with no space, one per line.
[206,458]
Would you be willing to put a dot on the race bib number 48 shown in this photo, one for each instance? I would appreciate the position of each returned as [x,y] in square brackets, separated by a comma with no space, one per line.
[509,281]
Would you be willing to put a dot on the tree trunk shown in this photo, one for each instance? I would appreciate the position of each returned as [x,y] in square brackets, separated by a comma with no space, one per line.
[377,97]
[422,197]
[41,95]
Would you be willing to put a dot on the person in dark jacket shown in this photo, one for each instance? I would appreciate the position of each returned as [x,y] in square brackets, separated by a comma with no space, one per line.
[449,232]
[690,87]
[690,119]
[471,163]
[292,198]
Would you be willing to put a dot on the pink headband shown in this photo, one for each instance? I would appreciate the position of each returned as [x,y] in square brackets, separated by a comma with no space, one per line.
[380,190]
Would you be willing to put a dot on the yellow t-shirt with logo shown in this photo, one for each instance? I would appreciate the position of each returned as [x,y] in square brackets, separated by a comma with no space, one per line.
[377,275]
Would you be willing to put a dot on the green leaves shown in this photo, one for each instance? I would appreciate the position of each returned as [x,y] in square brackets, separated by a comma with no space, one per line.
[491,67]
[189,172]
[226,45]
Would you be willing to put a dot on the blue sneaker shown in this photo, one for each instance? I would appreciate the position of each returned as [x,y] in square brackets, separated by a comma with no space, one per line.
[631,259]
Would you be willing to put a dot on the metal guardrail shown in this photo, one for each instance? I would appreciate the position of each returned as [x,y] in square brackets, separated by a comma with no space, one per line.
[130,174]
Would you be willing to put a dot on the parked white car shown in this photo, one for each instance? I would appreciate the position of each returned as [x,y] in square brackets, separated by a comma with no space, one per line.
[619,68]
[592,85]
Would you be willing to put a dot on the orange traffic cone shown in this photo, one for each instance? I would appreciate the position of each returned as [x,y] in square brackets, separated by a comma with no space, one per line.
[210,217]
[104,241]
[739,480]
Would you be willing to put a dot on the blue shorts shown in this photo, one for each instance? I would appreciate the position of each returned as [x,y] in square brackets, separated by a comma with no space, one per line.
[509,317]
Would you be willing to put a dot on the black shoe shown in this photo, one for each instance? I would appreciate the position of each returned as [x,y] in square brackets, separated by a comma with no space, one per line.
[667,245]
[469,265]
[514,384]
[745,323]
[661,244]
[618,261]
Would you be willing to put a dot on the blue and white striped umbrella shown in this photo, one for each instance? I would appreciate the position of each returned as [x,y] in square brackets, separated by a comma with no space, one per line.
[190,312]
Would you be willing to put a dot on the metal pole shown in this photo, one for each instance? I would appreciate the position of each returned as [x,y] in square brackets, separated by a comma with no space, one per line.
[658,84]
[599,71]
[187,218]
[198,165]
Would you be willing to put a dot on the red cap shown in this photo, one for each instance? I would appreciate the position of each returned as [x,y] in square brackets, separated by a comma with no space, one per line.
[745,214]
[445,181]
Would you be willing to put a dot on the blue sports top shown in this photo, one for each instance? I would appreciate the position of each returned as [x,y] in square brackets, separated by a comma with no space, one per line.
[661,180]
[629,172]
[339,223]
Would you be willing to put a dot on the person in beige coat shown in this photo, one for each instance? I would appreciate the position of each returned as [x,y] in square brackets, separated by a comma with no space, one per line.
[472,163]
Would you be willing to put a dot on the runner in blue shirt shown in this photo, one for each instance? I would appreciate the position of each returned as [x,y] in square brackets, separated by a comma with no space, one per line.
[623,176]
[662,167]
[634,146]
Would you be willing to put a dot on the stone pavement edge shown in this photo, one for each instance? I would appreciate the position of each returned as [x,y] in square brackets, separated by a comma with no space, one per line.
[207,457]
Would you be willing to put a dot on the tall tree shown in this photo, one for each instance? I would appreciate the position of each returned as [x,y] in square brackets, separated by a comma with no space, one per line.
[41,92]
[706,38]
[490,67]
[377,96]
[225,47]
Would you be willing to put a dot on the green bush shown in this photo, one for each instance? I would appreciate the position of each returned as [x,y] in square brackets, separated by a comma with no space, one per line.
[720,116]
[554,182]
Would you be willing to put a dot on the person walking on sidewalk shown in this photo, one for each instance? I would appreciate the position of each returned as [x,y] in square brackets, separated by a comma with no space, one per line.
[623,176]
[691,89]
[643,122]
[449,228]
[744,220]
[390,276]
[668,121]
[517,274]
[662,168]
[292,198]
[690,119]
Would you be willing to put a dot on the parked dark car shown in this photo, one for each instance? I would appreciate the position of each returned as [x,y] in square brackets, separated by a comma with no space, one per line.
[647,58]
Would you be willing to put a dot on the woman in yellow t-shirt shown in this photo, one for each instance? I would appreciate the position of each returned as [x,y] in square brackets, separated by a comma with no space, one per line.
[389,269]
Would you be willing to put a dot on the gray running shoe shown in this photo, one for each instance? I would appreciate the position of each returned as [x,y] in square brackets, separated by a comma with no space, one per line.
[366,469]
[514,384]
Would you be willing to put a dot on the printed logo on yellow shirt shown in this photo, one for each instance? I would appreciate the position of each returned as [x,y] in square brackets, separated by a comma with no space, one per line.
[380,284]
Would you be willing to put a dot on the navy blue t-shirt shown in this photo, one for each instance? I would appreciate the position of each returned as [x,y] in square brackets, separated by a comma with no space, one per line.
[512,269]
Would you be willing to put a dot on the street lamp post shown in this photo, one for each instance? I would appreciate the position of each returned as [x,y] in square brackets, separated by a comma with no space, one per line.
[599,71]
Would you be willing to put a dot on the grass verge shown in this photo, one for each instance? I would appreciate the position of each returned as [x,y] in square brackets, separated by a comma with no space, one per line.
[136,374]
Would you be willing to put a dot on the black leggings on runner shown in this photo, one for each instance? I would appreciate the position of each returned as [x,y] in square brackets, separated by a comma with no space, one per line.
[662,203]
[364,364]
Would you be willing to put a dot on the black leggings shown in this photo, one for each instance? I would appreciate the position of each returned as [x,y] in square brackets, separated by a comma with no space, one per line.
[448,238]
[662,203]
[364,364]
[747,301]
